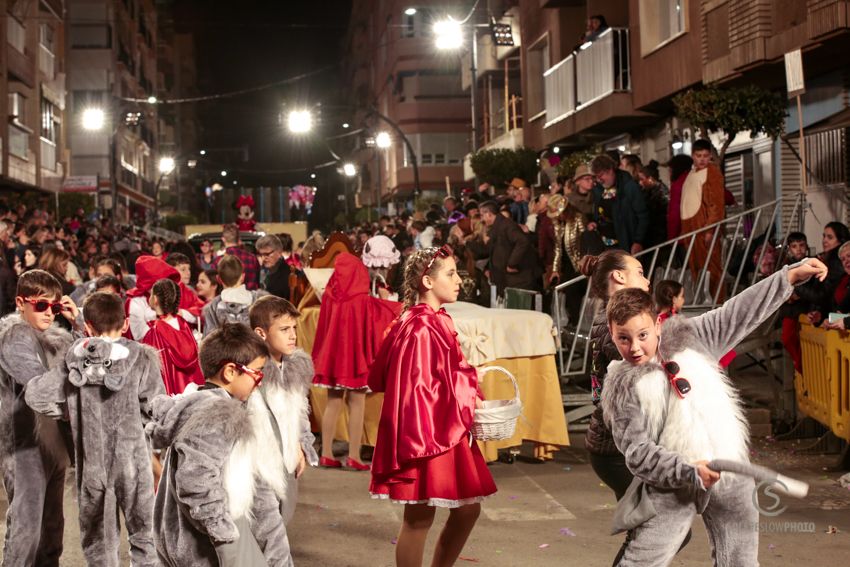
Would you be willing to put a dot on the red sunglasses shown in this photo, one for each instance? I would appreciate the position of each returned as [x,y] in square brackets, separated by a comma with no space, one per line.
[681,385]
[42,305]
[256,375]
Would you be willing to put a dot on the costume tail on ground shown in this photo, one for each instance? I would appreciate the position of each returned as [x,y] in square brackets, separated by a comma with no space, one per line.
[784,484]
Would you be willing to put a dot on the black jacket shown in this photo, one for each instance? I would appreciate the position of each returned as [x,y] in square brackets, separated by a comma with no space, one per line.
[277,280]
[508,247]
[631,217]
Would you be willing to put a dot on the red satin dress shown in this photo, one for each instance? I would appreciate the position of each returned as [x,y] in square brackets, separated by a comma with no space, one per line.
[423,454]
[351,326]
[178,352]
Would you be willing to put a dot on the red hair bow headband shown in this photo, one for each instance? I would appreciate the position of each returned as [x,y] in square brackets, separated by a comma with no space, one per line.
[245,200]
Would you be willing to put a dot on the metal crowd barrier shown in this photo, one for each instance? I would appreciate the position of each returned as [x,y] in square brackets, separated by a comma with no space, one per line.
[734,235]
[823,389]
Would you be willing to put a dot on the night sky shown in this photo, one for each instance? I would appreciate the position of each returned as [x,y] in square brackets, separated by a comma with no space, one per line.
[249,43]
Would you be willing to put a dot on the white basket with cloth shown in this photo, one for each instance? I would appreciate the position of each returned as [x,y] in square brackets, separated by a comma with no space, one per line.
[496,419]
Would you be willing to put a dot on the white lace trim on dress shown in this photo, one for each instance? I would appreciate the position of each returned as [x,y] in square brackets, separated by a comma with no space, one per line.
[438,502]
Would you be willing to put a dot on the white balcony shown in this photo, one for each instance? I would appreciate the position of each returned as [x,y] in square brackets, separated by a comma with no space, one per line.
[16,34]
[587,75]
[46,62]
[48,155]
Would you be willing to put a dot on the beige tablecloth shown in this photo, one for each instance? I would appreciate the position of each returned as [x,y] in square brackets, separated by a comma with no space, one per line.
[542,419]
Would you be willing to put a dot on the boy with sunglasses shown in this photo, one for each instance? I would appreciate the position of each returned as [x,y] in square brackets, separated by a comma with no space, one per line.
[105,388]
[218,499]
[671,410]
[33,453]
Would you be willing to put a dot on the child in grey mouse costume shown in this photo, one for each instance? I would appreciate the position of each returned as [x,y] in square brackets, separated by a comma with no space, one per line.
[671,410]
[234,301]
[105,388]
[218,502]
[281,403]
[33,452]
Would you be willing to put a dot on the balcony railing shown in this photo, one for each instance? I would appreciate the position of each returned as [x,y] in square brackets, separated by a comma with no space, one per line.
[587,75]
[19,141]
[48,155]
[46,62]
[16,34]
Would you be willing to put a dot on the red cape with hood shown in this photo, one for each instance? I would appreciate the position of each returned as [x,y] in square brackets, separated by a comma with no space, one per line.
[149,269]
[351,326]
[178,352]
[429,390]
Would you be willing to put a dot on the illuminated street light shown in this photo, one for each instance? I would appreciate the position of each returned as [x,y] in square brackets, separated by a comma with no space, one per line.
[300,121]
[383,140]
[556,150]
[349,169]
[448,33]
[93,119]
[166,165]
[224,173]
[152,100]
[345,124]
[312,176]
[203,152]
[410,12]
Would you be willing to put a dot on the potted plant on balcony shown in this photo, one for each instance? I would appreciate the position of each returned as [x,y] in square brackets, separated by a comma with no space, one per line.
[499,166]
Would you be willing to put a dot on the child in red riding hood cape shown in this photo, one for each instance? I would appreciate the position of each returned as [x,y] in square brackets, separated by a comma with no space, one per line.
[423,454]
[148,270]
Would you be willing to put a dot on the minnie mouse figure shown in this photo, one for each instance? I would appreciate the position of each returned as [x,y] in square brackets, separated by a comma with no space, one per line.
[245,217]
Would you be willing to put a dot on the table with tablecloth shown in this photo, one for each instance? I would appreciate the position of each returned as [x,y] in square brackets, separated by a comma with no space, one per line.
[519,341]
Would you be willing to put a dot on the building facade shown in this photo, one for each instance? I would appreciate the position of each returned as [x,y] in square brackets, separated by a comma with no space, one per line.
[33,80]
[112,68]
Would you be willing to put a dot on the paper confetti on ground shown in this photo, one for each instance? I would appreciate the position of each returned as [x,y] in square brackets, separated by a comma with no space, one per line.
[543,546]
[567,532]
[394,541]
[470,559]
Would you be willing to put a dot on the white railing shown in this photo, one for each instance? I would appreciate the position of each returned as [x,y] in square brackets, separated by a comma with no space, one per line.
[48,155]
[603,66]
[733,235]
[46,62]
[19,141]
[16,34]
[559,87]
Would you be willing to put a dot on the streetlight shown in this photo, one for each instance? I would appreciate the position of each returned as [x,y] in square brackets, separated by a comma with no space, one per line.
[166,165]
[349,169]
[383,140]
[345,124]
[448,33]
[152,100]
[94,119]
[410,12]
[312,176]
[299,121]
[224,173]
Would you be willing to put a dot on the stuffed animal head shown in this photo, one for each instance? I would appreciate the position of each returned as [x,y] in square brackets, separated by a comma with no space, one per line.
[99,362]
[245,207]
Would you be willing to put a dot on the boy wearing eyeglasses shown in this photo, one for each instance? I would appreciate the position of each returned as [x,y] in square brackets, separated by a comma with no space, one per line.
[218,499]
[104,388]
[33,453]
[671,410]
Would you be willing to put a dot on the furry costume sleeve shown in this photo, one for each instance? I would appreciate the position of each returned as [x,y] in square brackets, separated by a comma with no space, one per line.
[202,450]
[45,394]
[722,329]
[298,372]
[18,357]
[150,384]
[629,425]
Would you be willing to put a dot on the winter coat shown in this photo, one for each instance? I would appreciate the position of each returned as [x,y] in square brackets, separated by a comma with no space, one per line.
[221,310]
[598,438]
[217,474]
[508,247]
[630,215]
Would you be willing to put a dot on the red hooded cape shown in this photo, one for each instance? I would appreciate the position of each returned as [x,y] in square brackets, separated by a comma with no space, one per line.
[351,326]
[429,390]
[178,352]
[149,269]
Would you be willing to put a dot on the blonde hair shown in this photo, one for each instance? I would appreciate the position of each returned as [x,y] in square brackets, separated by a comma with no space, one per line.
[51,258]
[416,268]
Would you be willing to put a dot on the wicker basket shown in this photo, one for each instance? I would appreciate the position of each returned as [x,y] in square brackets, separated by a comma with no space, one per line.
[496,420]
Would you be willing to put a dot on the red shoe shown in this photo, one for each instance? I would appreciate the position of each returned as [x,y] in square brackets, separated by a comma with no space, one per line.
[356,465]
[329,463]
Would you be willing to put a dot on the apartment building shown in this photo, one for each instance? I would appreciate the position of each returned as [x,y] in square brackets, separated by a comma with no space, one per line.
[616,91]
[392,65]
[112,69]
[32,76]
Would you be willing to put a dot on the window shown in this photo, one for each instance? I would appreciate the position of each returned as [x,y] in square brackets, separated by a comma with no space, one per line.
[660,22]
[538,63]
[18,107]
[91,36]
[45,37]
[48,120]
[438,148]
[408,25]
